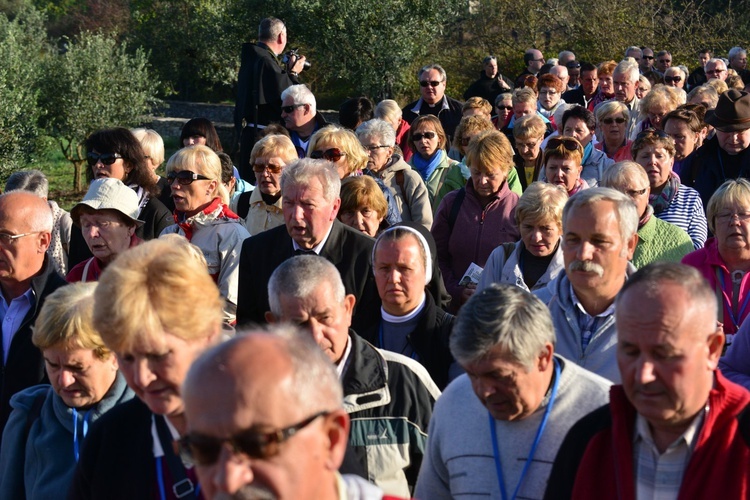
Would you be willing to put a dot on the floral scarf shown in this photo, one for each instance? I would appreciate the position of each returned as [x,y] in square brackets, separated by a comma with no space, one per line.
[215,210]
[661,201]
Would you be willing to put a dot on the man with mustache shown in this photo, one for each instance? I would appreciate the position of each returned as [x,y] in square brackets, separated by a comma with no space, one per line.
[599,238]
[675,428]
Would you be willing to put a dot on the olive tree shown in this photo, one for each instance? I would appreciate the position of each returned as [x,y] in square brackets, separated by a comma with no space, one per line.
[96,84]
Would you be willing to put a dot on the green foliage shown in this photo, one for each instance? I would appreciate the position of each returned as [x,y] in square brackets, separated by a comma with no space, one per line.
[96,84]
[22,42]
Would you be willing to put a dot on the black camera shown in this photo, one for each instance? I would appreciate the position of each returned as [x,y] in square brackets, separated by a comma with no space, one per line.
[290,58]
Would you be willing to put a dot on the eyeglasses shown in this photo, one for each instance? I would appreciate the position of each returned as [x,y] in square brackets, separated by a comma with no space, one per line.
[672,79]
[431,83]
[573,65]
[106,158]
[635,193]
[373,148]
[426,135]
[568,144]
[648,57]
[205,450]
[185,177]
[290,109]
[261,167]
[8,239]
[610,121]
[506,108]
[332,154]
[725,217]
[541,60]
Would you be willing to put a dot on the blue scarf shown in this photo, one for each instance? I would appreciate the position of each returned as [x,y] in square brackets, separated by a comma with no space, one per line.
[587,152]
[428,166]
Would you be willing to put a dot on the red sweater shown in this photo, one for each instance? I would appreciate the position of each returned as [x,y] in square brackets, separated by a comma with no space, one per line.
[596,459]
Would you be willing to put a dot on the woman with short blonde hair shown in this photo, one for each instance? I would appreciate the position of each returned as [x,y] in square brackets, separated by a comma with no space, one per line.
[341,147]
[363,206]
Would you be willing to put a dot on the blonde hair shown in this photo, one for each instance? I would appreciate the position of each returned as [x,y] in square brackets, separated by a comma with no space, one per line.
[734,192]
[274,145]
[720,86]
[660,94]
[490,150]
[388,110]
[479,103]
[362,191]
[152,144]
[356,156]
[529,126]
[204,161]
[67,318]
[470,125]
[153,289]
[524,94]
[541,202]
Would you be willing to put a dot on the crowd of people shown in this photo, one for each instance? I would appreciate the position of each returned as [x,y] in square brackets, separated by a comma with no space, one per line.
[540,292]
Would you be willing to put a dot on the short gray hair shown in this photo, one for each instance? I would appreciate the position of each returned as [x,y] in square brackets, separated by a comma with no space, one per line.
[715,60]
[708,91]
[299,277]
[269,29]
[430,67]
[633,48]
[629,68]
[300,172]
[300,94]
[502,315]
[735,51]
[33,181]
[377,129]
[609,108]
[488,60]
[627,213]
[619,173]
[676,69]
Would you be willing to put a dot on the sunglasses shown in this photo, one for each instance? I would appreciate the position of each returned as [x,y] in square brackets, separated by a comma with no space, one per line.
[259,168]
[672,79]
[332,155]
[106,158]
[610,121]
[185,177]
[648,57]
[426,135]
[568,144]
[205,450]
[425,83]
[290,109]
[506,108]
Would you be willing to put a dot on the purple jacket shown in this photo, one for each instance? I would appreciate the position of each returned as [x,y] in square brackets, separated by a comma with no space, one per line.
[476,233]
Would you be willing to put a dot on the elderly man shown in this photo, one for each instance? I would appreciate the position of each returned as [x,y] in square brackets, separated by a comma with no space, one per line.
[676,428]
[534,60]
[587,89]
[491,82]
[513,407]
[261,80]
[27,277]
[562,73]
[389,397]
[310,202]
[598,242]
[635,52]
[411,322]
[663,61]
[625,79]
[300,116]
[279,382]
[565,57]
[726,156]
[737,59]
[698,75]
[716,68]
[433,101]
[647,60]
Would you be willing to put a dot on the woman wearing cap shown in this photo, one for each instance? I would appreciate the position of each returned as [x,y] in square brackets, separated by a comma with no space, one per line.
[562,164]
[157,309]
[46,430]
[107,218]
[672,201]
[203,217]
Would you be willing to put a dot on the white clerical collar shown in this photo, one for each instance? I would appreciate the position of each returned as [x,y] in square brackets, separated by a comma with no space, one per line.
[317,248]
[408,316]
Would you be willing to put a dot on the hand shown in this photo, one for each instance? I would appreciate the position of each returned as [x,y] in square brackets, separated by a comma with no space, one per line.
[468,291]
[299,65]
[502,84]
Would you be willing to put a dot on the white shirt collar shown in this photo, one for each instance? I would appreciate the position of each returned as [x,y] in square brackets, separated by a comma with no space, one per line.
[317,248]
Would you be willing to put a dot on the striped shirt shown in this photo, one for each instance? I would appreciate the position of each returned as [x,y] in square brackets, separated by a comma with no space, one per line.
[686,212]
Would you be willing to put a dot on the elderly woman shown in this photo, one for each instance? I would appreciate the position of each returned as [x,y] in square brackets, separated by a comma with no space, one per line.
[427,139]
[562,164]
[116,153]
[529,133]
[44,435]
[657,240]
[261,207]
[580,123]
[389,111]
[202,216]
[384,163]
[363,205]
[536,259]
[107,217]
[471,222]
[725,260]
[153,148]
[550,90]
[643,87]
[686,127]
[525,102]
[157,309]
[612,118]
[672,201]
[503,110]
[654,107]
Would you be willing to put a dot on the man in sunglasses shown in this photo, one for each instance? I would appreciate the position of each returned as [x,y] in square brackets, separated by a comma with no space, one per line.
[433,101]
[300,116]
[310,202]
[388,396]
[27,276]
[647,60]
[266,420]
[261,80]
[534,60]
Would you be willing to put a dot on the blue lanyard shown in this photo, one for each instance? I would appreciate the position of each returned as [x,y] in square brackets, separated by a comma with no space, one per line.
[160,480]
[539,432]
[76,444]
[736,320]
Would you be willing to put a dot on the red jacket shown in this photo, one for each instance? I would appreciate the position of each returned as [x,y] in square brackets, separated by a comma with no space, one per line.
[596,459]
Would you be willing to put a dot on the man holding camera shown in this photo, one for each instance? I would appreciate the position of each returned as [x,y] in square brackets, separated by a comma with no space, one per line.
[262,78]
